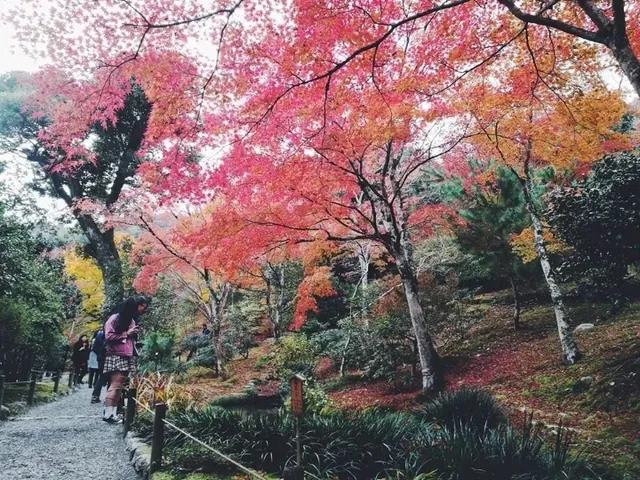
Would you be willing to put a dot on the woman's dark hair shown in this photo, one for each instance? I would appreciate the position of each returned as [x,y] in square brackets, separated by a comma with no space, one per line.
[143,300]
[126,314]
[140,300]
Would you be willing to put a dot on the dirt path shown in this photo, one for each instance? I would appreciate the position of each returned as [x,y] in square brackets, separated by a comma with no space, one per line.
[63,440]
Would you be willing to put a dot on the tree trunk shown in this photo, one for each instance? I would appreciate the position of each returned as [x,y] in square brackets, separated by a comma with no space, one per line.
[275,309]
[217,348]
[570,352]
[364,260]
[431,368]
[217,306]
[109,262]
[398,243]
[414,361]
[343,360]
[277,320]
[628,62]
[102,245]
[103,249]
[516,303]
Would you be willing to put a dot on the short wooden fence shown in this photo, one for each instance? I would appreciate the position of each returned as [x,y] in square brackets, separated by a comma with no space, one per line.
[159,413]
[34,377]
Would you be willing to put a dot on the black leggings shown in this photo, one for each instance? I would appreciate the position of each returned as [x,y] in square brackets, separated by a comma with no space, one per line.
[94,374]
[80,371]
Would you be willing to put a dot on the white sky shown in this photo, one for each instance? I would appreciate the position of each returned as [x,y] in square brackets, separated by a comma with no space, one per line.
[11,58]
[18,173]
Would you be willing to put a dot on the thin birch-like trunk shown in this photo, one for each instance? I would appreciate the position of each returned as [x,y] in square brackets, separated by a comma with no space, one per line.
[570,352]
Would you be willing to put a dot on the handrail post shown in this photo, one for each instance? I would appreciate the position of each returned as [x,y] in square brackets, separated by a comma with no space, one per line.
[32,389]
[158,437]
[2,379]
[120,406]
[130,412]
[56,381]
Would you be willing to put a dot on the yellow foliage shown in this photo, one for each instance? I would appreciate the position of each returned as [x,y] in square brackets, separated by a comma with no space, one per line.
[523,245]
[88,279]
[156,387]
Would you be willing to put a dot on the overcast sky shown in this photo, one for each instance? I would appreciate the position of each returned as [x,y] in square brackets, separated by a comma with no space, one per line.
[17,173]
[10,57]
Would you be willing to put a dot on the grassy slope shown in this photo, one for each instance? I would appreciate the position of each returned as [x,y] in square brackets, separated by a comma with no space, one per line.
[241,372]
[521,368]
[524,370]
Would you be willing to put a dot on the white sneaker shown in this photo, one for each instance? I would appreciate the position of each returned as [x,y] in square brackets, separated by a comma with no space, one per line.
[114,420]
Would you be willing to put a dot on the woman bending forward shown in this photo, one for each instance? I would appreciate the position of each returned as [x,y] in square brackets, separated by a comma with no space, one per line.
[120,333]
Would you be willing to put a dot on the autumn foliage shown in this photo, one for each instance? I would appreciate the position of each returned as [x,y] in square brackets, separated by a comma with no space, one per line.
[307,125]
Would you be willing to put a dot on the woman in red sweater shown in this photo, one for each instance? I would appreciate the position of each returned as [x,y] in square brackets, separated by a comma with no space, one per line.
[121,333]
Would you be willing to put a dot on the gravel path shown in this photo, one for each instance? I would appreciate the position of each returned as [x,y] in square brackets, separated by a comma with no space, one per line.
[64,440]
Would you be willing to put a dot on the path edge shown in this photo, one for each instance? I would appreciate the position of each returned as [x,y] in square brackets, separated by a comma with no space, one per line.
[21,408]
[139,455]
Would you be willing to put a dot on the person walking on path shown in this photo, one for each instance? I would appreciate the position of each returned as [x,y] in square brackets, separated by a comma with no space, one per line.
[80,358]
[121,333]
[96,357]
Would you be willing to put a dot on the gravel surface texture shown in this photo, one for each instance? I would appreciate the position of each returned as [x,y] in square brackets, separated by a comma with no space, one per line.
[64,440]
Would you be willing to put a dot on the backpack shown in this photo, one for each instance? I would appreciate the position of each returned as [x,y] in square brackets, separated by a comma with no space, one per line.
[99,343]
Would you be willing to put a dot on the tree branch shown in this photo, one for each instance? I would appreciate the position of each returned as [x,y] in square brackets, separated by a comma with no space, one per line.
[538,19]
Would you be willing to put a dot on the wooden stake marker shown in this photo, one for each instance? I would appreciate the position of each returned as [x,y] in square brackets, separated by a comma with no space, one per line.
[297,407]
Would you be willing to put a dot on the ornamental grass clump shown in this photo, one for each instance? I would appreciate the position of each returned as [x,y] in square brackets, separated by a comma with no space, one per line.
[375,444]
[465,407]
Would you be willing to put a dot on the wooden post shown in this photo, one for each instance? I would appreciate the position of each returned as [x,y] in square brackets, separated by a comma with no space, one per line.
[32,389]
[297,407]
[293,473]
[56,381]
[131,410]
[158,437]
[120,407]
[2,378]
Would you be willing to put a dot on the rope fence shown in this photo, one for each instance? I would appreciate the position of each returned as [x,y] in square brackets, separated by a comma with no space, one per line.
[143,405]
[158,435]
[217,452]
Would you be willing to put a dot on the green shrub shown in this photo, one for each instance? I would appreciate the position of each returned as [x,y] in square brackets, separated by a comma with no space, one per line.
[372,445]
[198,372]
[293,354]
[192,342]
[157,352]
[162,476]
[205,357]
[465,407]
[240,339]
[188,458]
[246,400]
[505,453]
[230,401]
[262,362]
